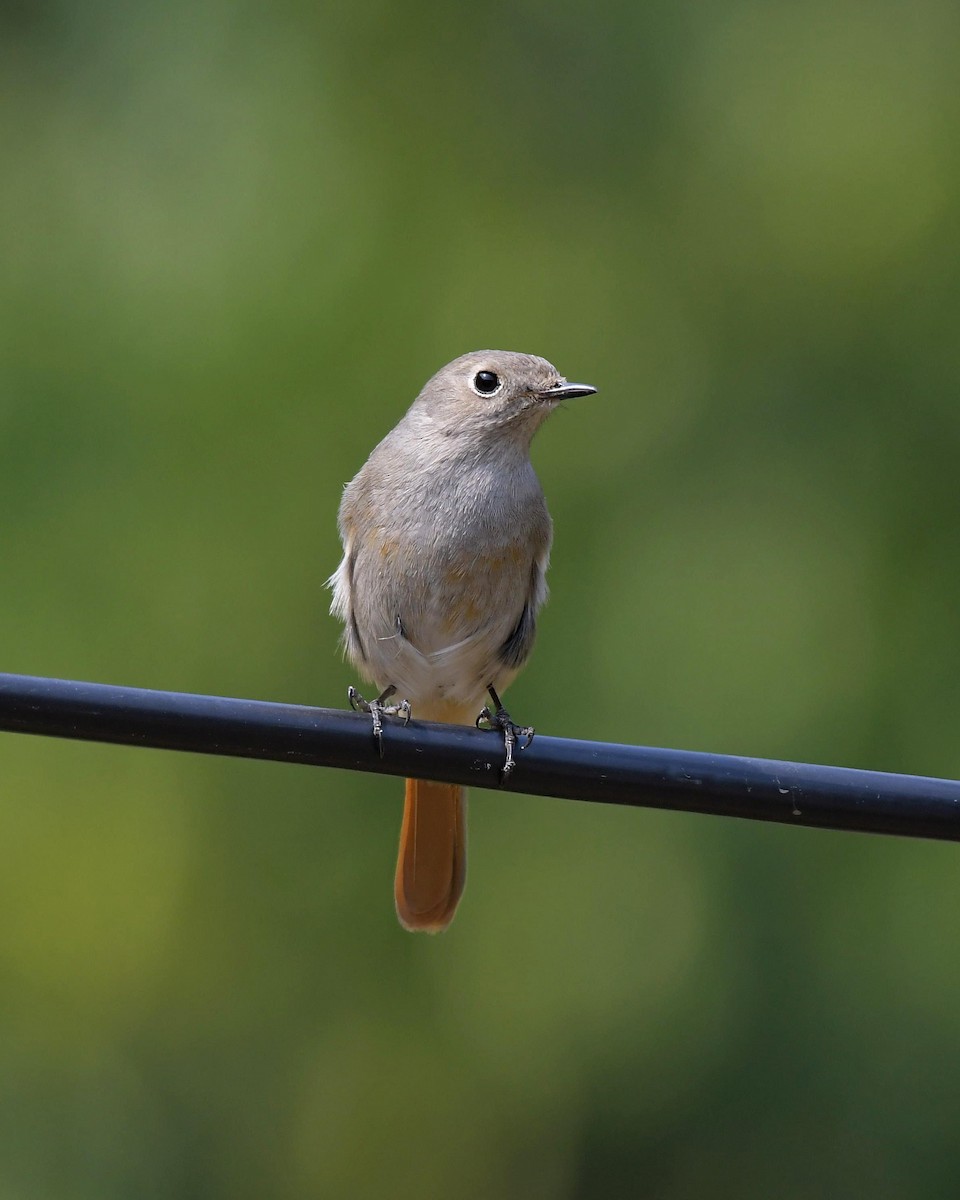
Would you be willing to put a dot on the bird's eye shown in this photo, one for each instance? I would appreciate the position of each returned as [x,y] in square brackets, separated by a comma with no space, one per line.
[486,383]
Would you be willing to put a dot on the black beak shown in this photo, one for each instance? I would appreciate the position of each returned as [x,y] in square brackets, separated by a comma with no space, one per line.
[566,391]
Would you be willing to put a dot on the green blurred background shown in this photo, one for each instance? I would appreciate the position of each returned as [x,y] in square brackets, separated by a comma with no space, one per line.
[234,241]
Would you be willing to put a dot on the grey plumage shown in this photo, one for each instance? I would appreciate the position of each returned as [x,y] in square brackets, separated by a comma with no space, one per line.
[446,526]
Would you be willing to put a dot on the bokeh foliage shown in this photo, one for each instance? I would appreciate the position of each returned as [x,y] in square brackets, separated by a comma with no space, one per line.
[234,241]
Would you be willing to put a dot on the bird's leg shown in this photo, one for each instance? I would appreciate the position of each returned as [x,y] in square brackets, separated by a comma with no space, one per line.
[499,718]
[378,709]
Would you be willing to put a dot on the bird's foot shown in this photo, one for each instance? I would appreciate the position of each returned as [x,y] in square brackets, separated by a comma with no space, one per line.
[515,737]
[378,709]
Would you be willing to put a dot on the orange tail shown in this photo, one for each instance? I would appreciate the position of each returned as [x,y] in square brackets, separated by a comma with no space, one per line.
[432,864]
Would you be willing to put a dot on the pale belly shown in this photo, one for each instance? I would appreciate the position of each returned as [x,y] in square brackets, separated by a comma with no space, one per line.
[435,629]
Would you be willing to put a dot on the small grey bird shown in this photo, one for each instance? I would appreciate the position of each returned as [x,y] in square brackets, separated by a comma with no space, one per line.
[446,539]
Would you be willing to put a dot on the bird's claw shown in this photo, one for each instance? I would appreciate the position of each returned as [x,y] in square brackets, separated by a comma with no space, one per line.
[377,710]
[499,718]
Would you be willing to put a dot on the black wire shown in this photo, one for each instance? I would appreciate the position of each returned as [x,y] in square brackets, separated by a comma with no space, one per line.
[761,789]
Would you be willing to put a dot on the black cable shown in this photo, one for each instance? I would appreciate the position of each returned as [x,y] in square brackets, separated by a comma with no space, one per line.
[761,789]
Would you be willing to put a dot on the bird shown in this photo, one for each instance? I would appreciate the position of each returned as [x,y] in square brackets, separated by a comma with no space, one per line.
[446,541]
